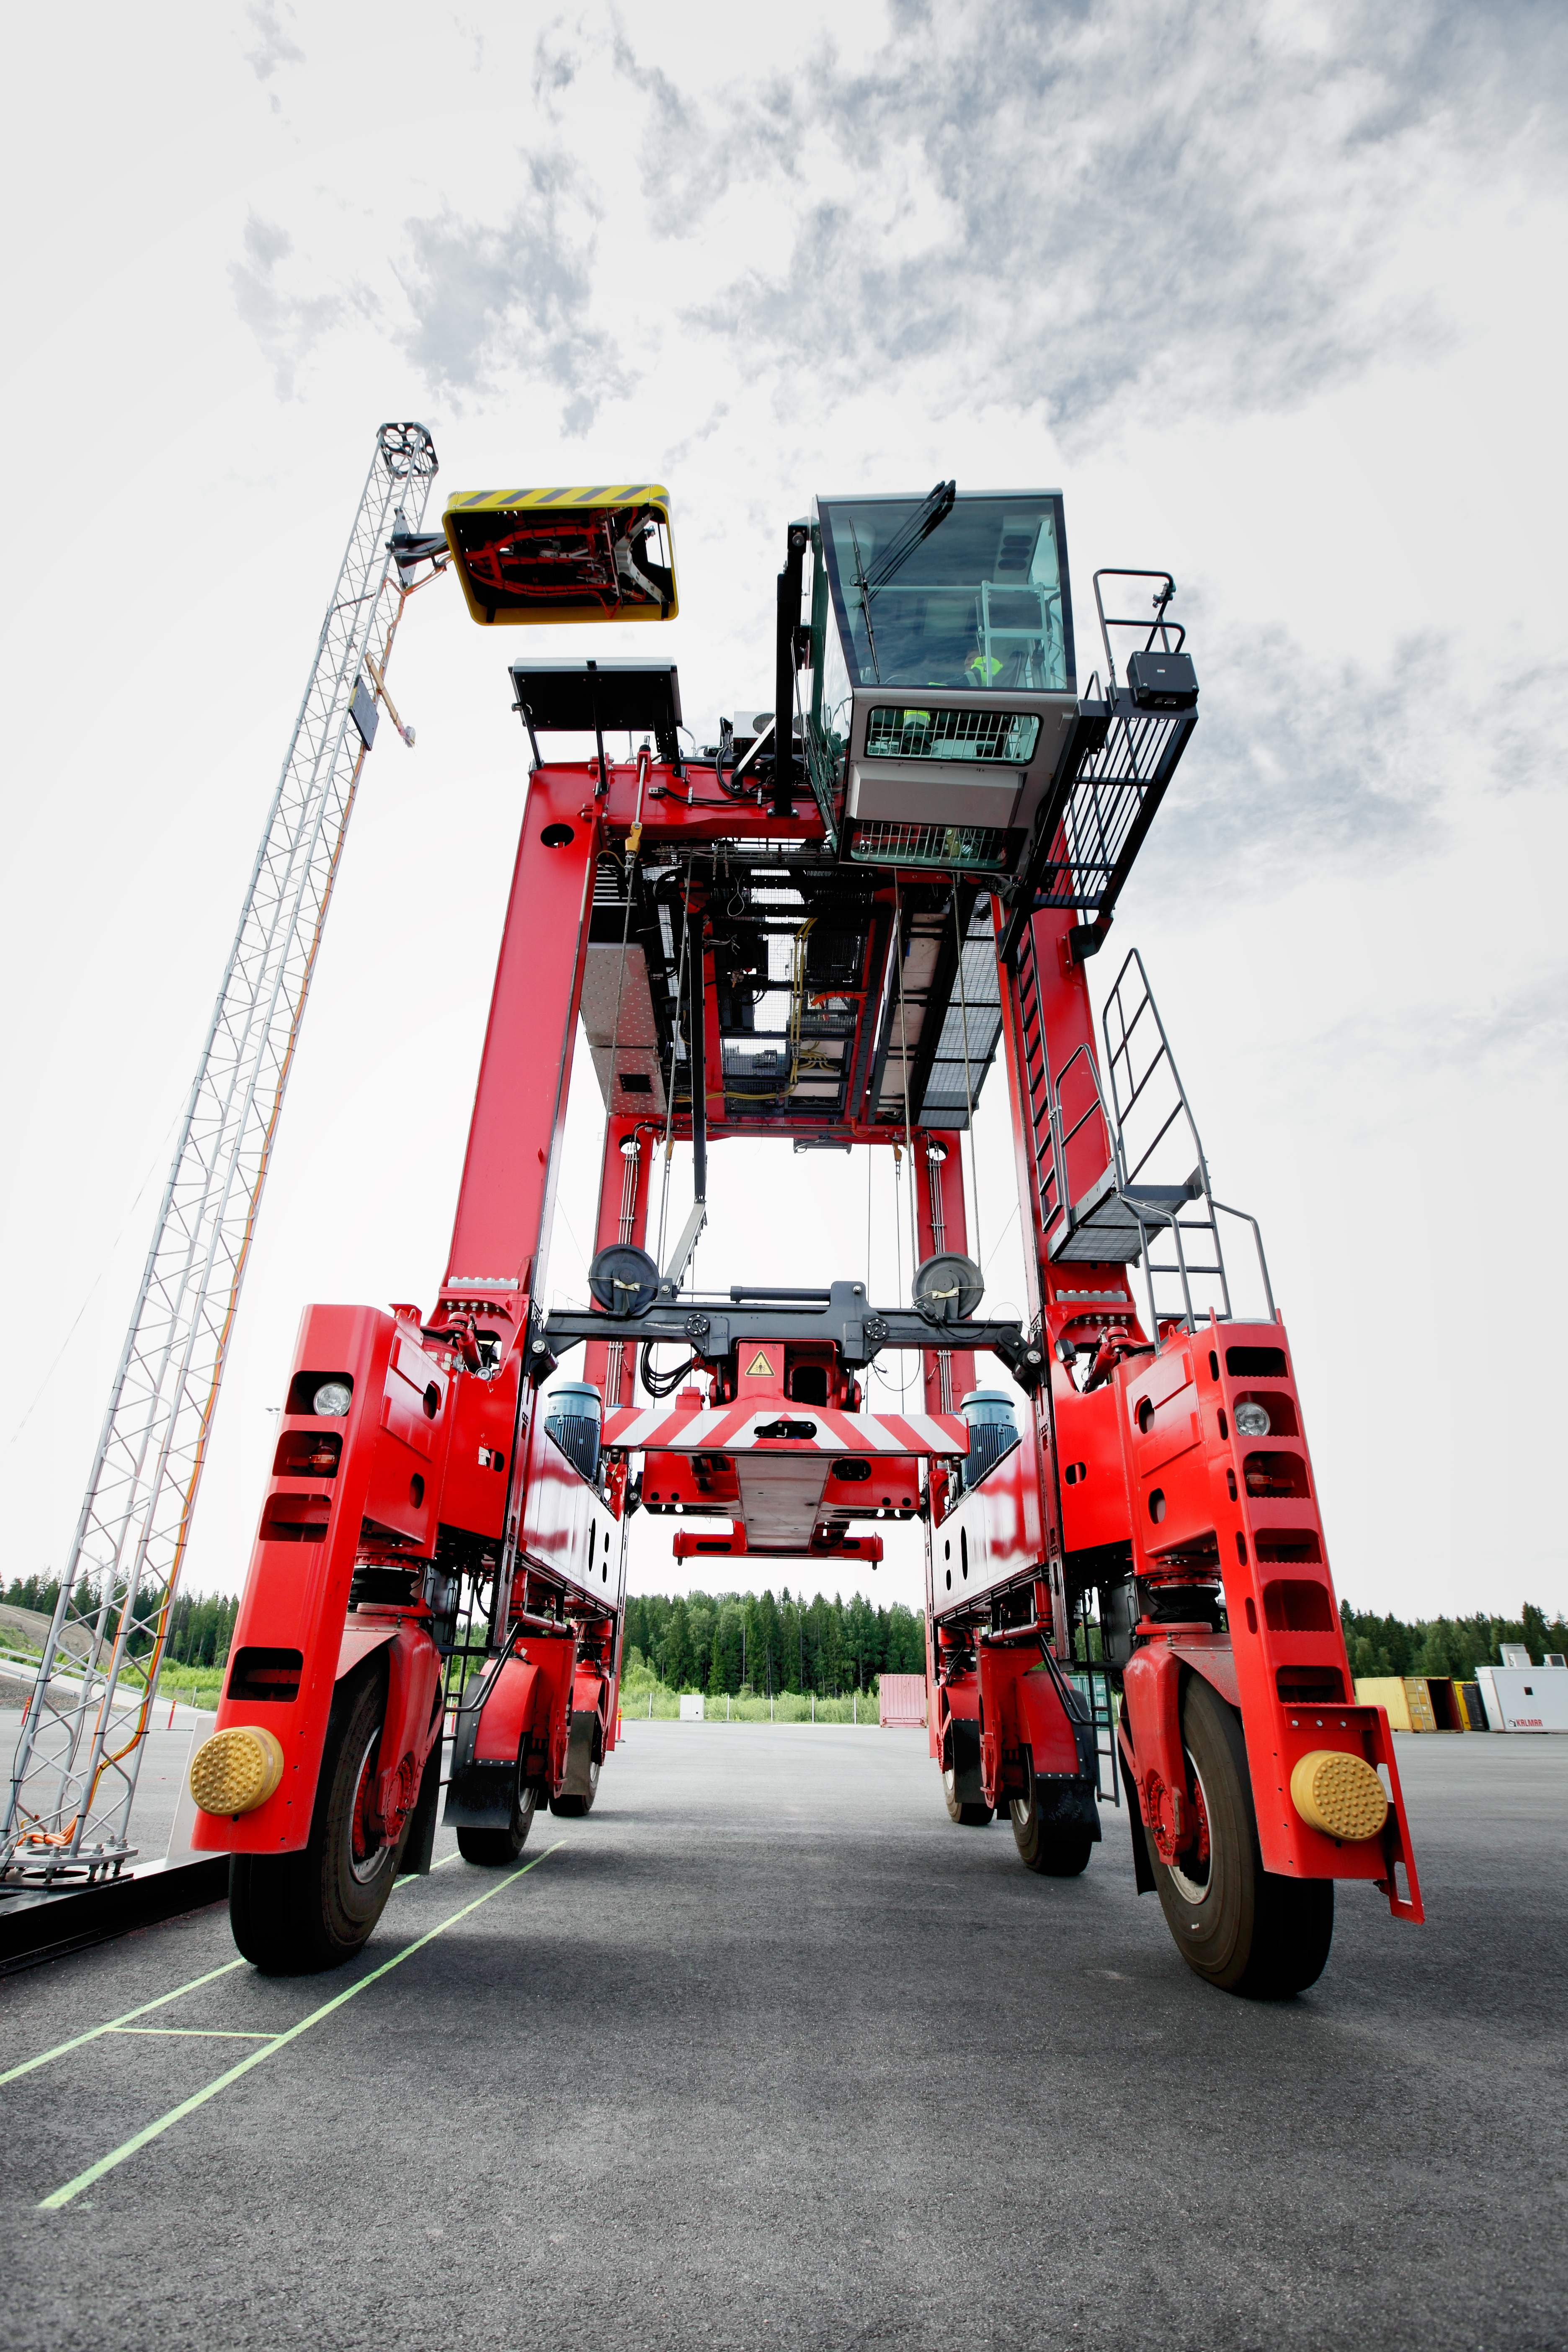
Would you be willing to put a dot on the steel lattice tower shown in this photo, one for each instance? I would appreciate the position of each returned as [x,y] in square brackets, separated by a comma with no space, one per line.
[75,1775]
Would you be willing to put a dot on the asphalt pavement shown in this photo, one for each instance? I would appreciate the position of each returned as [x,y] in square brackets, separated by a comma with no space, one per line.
[766,2050]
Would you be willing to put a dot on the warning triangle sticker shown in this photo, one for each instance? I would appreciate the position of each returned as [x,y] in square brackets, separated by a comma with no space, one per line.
[759,1369]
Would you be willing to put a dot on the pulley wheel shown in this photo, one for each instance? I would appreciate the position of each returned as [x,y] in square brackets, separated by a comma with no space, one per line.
[947,1288]
[622,1280]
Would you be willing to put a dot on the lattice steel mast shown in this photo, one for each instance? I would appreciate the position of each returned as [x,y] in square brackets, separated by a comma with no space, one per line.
[74,1774]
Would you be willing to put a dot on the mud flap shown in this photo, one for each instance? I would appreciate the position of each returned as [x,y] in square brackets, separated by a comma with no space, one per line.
[1143,1868]
[581,1753]
[1067,1804]
[419,1844]
[963,1756]
[478,1796]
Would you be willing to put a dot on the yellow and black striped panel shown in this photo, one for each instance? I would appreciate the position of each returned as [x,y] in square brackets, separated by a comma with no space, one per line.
[572,559]
[605,494]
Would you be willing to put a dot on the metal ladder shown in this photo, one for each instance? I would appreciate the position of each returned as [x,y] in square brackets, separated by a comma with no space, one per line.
[1090,1677]
[1146,1085]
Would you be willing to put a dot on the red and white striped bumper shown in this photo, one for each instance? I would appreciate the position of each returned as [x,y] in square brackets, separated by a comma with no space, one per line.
[744,1428]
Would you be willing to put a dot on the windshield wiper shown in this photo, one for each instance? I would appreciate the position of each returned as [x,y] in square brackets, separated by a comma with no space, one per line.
[920,527]
[863,585]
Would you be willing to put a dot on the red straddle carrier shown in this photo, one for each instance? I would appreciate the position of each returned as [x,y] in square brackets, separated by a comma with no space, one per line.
[822,928]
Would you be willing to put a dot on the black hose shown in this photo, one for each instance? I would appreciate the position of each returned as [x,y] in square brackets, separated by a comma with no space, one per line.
[662,1384]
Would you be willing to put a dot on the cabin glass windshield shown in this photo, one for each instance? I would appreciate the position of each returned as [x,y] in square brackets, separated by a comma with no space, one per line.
[978,601]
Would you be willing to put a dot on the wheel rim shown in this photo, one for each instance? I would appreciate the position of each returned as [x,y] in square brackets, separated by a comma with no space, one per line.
[1192,1874]
[950,1781]
[365,1845]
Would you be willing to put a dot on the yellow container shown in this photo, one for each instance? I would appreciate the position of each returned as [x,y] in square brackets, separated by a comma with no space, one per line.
[1404,1698]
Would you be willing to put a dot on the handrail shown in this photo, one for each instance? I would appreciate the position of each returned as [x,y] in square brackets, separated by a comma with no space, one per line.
[1248,1219]
[1159,628]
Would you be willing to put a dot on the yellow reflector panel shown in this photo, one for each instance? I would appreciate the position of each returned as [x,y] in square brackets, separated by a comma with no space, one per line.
[238,1769]
[535,557]
[1339,1794]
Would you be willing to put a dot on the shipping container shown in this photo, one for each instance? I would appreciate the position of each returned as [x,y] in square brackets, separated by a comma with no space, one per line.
[902,1701]
[1404,1698]
[1525,1699]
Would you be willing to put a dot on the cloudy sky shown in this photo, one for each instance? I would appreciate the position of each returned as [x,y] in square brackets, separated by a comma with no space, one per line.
[1273,292]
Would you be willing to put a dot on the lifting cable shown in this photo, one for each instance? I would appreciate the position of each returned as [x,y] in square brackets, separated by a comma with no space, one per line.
[904,1061]
[628,880]
[968,1089]
[903,1386]
[669,1092]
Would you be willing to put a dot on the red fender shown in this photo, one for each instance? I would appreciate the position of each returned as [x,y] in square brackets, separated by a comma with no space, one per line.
[1020,1706]
[530,1703]
[1152,1727]
[413,1721]
[508,1712]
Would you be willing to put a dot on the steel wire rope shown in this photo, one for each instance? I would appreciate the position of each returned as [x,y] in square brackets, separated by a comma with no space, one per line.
[670,1097]
[904,1065]
[903,1386]
[628,880]
[644,1366]
[614,1358]
[968,1090]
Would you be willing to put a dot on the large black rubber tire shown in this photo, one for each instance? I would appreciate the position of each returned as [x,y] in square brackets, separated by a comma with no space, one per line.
[572,1808]
[1046,1846]
[972,1816]
[1237,1925]
[296,1913]
[493,1848]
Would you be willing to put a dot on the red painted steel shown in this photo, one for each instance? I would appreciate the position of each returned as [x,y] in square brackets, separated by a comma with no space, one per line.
[506,1200]
[949,1374]
[626,1189]
[1129,1478]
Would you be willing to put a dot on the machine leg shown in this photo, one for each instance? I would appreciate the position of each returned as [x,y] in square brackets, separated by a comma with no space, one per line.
[297,1912]
[1239,1927]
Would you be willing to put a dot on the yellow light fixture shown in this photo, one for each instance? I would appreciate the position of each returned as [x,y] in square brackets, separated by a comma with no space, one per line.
[1339,1794]
[236,1770]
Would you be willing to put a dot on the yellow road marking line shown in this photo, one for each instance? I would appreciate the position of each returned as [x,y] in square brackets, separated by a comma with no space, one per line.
[137,2140]
[196,2032]
[93,2031]
[115,2023]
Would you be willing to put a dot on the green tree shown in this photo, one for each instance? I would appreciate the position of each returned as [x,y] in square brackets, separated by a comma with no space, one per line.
[675,1647]
[700,1621]
[792,1645]
[764,1646]
[727,1654]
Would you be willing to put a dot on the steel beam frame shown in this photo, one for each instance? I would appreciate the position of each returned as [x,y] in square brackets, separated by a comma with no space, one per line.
[74,1779]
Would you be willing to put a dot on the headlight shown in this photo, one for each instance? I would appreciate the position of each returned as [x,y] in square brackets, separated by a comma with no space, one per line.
[334,1397]
[1251,1418]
